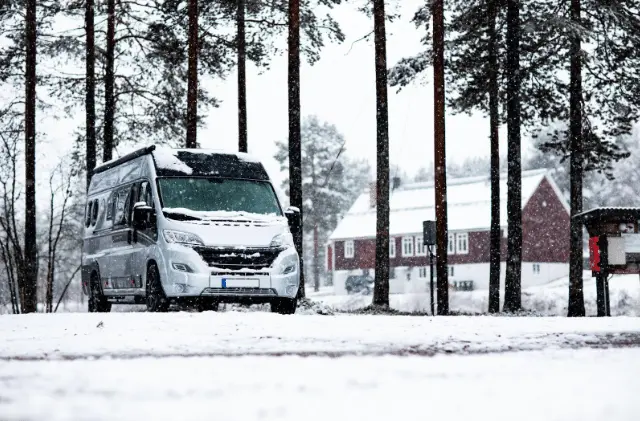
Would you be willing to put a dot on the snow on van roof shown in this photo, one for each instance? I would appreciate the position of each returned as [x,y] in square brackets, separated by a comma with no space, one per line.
[468,201]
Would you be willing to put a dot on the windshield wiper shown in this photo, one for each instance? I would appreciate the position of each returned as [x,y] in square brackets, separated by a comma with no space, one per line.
[179,216]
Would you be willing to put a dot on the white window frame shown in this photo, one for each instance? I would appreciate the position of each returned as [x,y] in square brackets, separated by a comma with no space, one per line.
[422,272]
[407,241]
[538,267]
[349,249]
[451,244]
[420,248]
[462,239]
[392,248]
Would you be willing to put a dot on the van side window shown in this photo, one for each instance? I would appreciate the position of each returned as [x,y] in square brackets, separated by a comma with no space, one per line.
[133,198]
[120,203]
[146,194]
[87,220]
[111,207]
[94,213]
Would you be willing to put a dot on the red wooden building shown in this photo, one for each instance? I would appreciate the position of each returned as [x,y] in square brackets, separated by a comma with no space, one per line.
[545,223]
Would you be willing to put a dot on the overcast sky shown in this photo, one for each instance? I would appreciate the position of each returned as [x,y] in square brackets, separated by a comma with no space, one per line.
[339,89]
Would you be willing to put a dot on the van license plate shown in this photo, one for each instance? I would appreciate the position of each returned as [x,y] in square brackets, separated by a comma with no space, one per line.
[239,283]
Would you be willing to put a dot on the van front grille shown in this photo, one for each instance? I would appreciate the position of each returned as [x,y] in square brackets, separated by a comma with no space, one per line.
[239,291]
[234,259]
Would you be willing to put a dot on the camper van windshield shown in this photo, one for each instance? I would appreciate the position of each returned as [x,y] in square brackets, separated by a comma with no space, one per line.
[216,194]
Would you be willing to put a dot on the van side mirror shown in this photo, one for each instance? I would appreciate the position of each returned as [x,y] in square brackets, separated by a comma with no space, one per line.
[142,214]
[293,217]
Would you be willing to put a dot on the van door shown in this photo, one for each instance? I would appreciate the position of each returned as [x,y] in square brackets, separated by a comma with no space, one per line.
[121,241]
[143,239]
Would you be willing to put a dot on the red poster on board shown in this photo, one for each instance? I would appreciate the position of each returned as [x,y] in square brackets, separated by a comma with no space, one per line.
[594,254]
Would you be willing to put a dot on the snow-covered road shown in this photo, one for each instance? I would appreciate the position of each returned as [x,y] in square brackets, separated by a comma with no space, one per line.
[262,366]
[558,385]
[131,335]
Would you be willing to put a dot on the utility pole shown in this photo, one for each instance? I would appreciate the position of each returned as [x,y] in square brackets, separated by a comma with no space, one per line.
[192,76]
[440,158]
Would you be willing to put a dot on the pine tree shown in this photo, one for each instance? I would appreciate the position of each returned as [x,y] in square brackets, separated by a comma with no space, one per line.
[513,282]
[381,288]
[192,90]
[242,79]
[90,101]
[109,82]
[295,146]
[29,302]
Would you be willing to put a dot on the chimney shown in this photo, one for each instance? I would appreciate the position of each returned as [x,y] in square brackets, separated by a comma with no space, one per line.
[373,194]
[396,183]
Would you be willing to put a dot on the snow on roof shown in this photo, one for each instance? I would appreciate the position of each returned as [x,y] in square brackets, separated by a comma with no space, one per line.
[469,206]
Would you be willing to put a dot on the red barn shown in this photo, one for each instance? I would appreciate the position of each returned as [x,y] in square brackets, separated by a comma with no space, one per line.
[545,224]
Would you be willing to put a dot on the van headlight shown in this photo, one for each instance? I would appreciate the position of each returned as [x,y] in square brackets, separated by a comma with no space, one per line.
[182,237]
[288,265]
[282,240]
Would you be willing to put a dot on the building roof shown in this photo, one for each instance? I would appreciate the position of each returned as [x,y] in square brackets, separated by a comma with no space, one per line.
[469,206]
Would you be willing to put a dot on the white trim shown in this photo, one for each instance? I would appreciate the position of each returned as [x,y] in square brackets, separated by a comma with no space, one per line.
[459,237]
[411,243]
[392,247]
[349,249]
[420,246]
[451,240]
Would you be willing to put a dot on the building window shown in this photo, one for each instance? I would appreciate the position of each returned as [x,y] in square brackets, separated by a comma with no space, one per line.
[349,249]
[392,247]
[536,268]
[451,246]
[452,272]
[392,273]
[462,243]
[407,246]
[421,249]
[422,272]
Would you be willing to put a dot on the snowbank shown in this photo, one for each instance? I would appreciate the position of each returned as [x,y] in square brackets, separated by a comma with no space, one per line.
[545,300]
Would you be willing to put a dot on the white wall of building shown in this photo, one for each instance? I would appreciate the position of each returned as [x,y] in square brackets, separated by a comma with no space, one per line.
[477,272]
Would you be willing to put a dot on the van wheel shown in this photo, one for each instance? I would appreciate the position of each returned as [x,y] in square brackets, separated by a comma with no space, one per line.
[97,301]
[157,301]
[284,305]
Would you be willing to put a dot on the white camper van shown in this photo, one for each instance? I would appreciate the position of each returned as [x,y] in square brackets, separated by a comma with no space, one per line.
[187,226]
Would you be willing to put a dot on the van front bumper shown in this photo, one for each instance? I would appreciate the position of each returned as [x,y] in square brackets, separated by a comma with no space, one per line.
[230,286]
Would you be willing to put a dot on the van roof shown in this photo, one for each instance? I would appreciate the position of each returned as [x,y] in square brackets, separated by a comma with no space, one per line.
[195,162]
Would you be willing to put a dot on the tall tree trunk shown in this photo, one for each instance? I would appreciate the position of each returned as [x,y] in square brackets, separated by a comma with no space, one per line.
[381,287]
[513,286]
[316,259]
[442,236]
[192,87]
[90,101]
[109,82]
[242,81]
[496,237]
[576,296]
[30,279]
[295,144]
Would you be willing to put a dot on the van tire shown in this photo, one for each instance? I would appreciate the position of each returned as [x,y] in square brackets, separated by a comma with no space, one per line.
[156,300]
[97,301]
[284,306]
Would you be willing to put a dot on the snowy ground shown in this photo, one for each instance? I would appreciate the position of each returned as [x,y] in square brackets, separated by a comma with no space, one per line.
[262,366]
[584,385]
